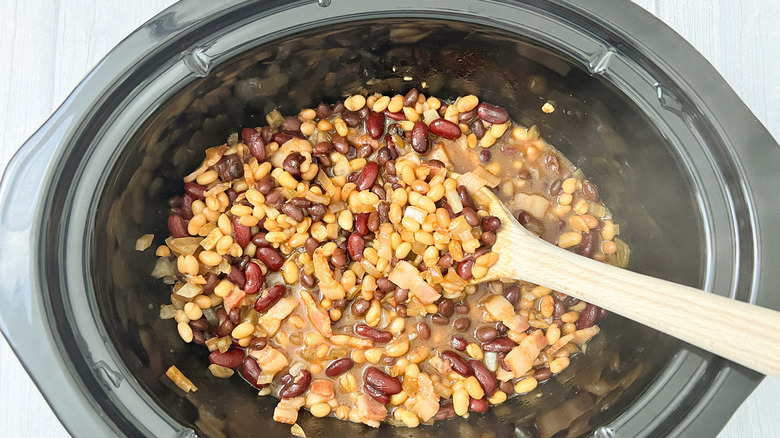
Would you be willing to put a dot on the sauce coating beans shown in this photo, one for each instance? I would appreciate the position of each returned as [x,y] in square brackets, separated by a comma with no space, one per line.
[327,256]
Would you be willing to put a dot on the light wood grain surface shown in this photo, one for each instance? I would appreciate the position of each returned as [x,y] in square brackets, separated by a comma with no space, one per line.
[46,48]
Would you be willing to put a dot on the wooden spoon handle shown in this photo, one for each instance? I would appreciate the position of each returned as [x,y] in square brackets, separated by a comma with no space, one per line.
[743,333]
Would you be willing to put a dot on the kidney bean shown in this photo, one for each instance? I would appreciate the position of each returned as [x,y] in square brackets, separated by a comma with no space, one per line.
[355,246]
[556,187]
[269,298]
[254,141]
[254,278]
[464,269]
[258,343]
[360,307]
[590,191]
[512,294]
[367,176]
[461,324]
[542,374]
[228,359]
[446,411]
[444,128]
[297,386]
[376,394]
[259,240]
[587,245]
[486,333]
[365,150]
[467,116]
[195,190]
[292,163]
[478,405]
[587,316]
[361,224]
[420,137]
[267,133]
[243,233]
[177,226]
[382,381]
[410,99]
[375,335]
[250,371]
[186,206]
[458,343]
[339,367]
[424,331]
[266,185]
[199,324]
[477,128]
[458,364]
[471,216]
[485,377]
[375,124]
[465,198]
[492,114]
[499,345]
[236,276]
[398,117]
[270,257]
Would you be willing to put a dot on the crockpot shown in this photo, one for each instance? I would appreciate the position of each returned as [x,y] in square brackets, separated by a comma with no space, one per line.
[677,156]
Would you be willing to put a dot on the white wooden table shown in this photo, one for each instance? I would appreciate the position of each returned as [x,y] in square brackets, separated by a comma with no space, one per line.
[46,47]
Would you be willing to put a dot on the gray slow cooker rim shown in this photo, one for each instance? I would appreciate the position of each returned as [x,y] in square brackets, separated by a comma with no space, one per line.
[78,410]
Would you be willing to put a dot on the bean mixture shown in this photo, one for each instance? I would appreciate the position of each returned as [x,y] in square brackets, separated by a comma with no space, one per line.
[331,259]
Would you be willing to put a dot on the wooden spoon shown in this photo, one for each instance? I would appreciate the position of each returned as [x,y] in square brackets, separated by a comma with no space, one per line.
[746,334]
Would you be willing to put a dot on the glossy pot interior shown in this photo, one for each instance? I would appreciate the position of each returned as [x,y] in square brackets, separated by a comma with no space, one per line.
[634,139]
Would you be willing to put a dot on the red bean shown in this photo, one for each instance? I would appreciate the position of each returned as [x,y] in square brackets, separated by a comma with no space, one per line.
[410,99]
[420,137]
[243,233]
[250,371]
[376,394]
[225,328]
[464,269]
[587,316]
[587,245]
[399,116]
[270,257]
[355,246]
[269,298]
[177,226]
[196,190]
[361,223]
[375,335]
[465,197]
[458,343]
[367,176]
[458,364]
[339,367]
[492,114]
[590,191]
[375,125]
[297,386]
[254,278]
[237,277]
[486,333]
[382,381]
[254,141]
[542,374]
[446,411]
[485,377]
[491,223]
[444,128]
[478,405]
[424,331]
[500,345]
[228,359]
